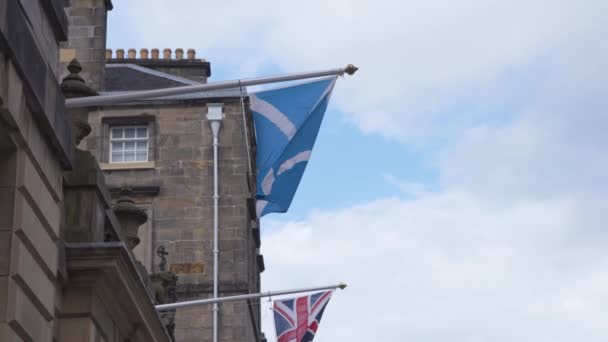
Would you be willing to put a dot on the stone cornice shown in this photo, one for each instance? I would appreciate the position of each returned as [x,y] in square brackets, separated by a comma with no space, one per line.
[109,268]
[143,190]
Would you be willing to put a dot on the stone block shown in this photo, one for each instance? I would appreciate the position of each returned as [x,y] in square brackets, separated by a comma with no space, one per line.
[7,205]
[30,182]
[36,142]
[77,301]
[80,12]
[24,316]
[7,334]
[76,4]
[83,55]
[5,252]
[188,268]
[99,31]
[77,329]
[98,55]
[15,101]
[4,296]
[28,272]
[66,55]
[29,227]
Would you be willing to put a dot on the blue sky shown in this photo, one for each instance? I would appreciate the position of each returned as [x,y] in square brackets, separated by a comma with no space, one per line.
[458,183]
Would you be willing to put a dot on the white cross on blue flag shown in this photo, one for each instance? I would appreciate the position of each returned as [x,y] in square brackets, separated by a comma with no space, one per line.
[287,121]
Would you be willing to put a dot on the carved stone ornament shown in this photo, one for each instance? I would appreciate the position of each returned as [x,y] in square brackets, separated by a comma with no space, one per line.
[73,86]
[130,217]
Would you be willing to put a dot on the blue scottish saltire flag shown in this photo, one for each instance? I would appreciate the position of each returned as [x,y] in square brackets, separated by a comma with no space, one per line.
[297,319]
[287,121]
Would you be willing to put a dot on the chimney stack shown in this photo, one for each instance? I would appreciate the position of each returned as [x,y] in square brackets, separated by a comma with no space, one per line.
[180,64]
[179,53]
[191,54]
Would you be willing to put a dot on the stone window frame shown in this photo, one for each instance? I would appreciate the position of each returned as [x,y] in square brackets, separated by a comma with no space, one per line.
[145,120]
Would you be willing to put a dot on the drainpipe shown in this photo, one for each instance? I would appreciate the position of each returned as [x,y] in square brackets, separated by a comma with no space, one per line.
[215,115]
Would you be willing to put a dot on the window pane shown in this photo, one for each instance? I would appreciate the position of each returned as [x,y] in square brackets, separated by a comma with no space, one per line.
[117,146]
[129,145]
[116,157]
[142,132]
[142,156]
[116,133]
[129,157]
[129,133]
[142,145]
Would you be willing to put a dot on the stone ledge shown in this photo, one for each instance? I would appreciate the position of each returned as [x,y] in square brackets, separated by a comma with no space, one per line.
[127,166]
[109,269]
[138,190]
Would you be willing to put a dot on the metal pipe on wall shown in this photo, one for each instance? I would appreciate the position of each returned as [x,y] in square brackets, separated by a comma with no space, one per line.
[215,115]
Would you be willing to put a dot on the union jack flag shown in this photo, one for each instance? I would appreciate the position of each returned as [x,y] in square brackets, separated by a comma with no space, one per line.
[297,319]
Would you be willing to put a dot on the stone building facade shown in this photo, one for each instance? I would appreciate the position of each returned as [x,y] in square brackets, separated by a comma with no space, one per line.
[167,161]
[87,39]
[67,270]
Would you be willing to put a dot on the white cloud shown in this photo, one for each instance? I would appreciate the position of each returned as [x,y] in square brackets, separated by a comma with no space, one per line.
[445,266]
[406,187]
[511,246]
[418,59]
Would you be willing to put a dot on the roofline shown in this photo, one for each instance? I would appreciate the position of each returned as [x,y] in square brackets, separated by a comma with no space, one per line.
[167,63]
[153,72]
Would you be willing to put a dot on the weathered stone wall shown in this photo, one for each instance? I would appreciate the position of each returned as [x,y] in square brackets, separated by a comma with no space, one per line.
[38,300]
[33,154]
[181,166]
[87,39]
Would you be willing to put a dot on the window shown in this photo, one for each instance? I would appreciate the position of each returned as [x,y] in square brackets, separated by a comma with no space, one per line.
[125,142]
[129,144]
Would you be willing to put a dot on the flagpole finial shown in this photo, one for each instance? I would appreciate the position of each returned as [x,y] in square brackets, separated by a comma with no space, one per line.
[342,286]
[350,69]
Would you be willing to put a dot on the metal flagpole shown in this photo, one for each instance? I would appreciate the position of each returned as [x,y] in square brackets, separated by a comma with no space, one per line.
[147,94]
[163,307]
